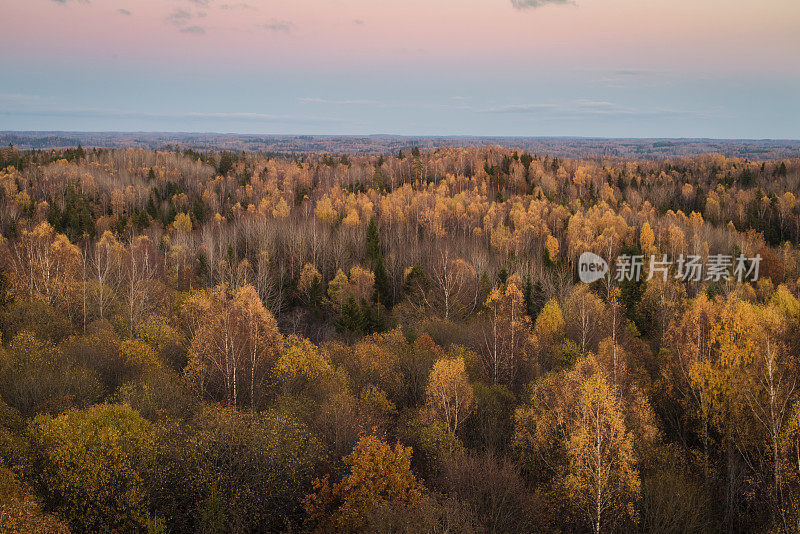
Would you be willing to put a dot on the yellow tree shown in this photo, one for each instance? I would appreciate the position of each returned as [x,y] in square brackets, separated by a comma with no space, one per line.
[506,338]
[45,265]
[301,364]
[757,381]
[551,246]
[692,341]
[379,474]
[548,332]
[601,474]
[584,311]
[647,241]
[449,391]
[236,341]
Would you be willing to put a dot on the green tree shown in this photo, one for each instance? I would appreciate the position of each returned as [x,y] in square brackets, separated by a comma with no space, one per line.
[87,464]
[351,318]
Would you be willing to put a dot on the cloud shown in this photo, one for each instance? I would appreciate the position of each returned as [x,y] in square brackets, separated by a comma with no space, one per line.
[326,101]
[633,78]
[122,11]
[593,108]
[179,17]
[64,2]
[182,19]
[358,22]
[533,4]
[243,117]
[197,30]
[18,98]
[276,25]
[238,5]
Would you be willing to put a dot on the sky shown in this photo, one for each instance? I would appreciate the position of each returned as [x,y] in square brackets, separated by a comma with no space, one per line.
[591,68]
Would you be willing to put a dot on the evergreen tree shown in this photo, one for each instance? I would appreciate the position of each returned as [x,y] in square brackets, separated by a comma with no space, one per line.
[383,287]
[502,276]
[351,318]
[534,298]
[315,294]
[225,164]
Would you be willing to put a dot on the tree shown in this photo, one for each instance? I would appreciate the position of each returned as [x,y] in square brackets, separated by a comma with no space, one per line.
[583,313]
[647,240]
[235,344]
[534,298]
[753,382]
[309,286]
[227,471]
[300,365]
[506,337]
[88,465]
[139,271]
[107,262]
[351,319]
[692,340]
[449,392]
[383,286]
[20,511]
[378,474]
[548,331]
[46,265]
[374,249]
[601,474]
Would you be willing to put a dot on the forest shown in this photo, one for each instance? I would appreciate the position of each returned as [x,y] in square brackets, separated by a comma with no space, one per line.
[225,341]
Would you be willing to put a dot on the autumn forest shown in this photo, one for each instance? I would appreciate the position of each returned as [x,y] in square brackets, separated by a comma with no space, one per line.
[206,341]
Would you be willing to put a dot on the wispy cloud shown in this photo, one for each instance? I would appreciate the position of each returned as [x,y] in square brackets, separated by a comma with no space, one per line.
[197,30]
[633,78]
[182,19]
[65,2]
[247,117]
[123,11]
[276,25]
[594,108]
[334,102]
[19,101]
[179,17]
[238,5]
[532,4]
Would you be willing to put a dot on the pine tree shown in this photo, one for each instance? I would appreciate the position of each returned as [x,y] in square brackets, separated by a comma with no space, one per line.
[502,276]
[534,298]
[351,319]
[383,287]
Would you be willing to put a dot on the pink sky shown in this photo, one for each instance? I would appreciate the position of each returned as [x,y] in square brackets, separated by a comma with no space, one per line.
[712,59]
[719,35]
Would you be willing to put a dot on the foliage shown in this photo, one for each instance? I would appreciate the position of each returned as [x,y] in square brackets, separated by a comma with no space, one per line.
[378,473]
[88,466]
[266,320]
